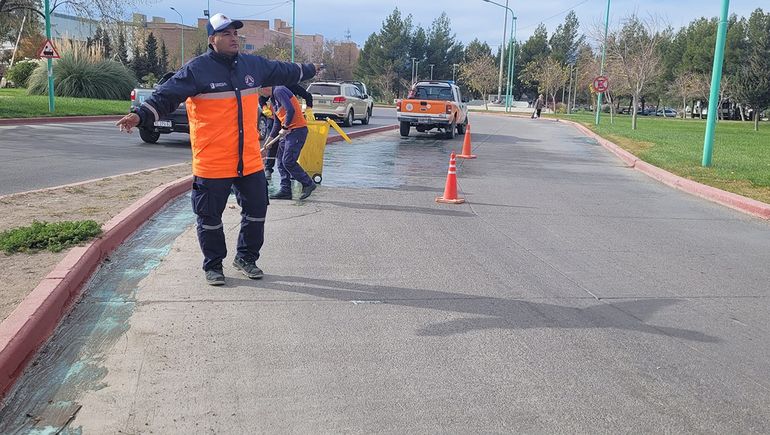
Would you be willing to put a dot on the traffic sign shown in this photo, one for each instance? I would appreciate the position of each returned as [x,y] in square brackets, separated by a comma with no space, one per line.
[601,84]
[49,51]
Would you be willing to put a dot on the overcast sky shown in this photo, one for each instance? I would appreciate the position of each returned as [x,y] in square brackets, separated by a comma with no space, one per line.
[470,18]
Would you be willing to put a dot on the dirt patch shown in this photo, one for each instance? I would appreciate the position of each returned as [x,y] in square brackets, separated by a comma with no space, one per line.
[98,200]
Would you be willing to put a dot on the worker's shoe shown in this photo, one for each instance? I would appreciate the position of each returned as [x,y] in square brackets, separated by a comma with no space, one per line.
[249,269]
[215,277]
[307,190]
[281,194]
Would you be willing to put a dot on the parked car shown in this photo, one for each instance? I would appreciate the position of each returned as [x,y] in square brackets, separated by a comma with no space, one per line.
[175,121]
[340,100]
[667,112]
[362,87]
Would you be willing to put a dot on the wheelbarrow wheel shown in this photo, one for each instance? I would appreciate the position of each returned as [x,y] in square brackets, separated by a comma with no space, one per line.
[317,178]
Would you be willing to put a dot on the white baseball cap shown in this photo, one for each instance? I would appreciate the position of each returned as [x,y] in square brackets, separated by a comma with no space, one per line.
[219,22]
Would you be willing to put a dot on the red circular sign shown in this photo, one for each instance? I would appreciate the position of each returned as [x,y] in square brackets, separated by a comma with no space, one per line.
[601,84]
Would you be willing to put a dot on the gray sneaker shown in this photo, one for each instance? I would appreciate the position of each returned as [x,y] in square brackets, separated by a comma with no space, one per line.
[249,269]
[215,277]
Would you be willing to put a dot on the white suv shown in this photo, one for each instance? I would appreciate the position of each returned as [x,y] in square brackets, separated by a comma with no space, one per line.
[343,101]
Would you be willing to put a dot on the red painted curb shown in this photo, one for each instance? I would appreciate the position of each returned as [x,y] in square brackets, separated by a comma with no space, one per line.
[359,133]
[58,119]
[35,319]
[723,197]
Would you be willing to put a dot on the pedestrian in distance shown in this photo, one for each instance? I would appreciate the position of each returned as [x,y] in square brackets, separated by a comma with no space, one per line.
[298,91]
[290,125]
[539,104]
[220,88]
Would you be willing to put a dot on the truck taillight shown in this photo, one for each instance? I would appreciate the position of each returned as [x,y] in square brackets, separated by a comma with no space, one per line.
[398,105]
[448,109]
[338,100]
[133,94]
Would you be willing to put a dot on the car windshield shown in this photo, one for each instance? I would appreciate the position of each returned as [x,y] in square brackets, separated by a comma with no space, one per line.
[324,89]
[433,93]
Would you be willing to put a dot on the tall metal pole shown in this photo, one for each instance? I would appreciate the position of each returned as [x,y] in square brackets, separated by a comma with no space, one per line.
[51,104]
[716,78]
[511,63]
[181,20]
[431,71]
[601,70]
[413,59]
[502,53]
[293,25]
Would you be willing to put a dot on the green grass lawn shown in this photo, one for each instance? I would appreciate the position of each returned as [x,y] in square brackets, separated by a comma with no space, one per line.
[740,160]
[15,103]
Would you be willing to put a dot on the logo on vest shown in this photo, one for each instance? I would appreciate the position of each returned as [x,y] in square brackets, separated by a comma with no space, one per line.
[249,80]
[217,85]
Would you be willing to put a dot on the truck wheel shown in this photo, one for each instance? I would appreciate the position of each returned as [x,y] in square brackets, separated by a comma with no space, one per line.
[365,121]
[450,132]
[404,128]
[461,128]
[149,136]
[348,121]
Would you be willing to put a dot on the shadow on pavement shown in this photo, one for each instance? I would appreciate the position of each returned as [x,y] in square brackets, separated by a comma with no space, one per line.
[498,313]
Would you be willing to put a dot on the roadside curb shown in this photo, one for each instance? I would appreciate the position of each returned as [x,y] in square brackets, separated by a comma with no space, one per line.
[38,315]
[359,133]
[30,325]
[58,119]
[719,196]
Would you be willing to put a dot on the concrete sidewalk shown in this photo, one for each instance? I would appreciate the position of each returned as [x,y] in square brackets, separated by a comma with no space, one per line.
[569,294]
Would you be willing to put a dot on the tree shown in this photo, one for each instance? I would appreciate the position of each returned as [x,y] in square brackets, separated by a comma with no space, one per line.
[122,51]
[442,50]
[106,45]
[536,47]
[138,63]
[108,10]
[163,59]
[151,55]
[684,86]
[547,74]
[480,75]
[476,49]
[385,56]
[340,59]
[280,49]
[565,40]
[753,76]
[634,52]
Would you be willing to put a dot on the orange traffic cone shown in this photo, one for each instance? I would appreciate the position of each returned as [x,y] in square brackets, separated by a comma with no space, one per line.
[450,191]
[466,154]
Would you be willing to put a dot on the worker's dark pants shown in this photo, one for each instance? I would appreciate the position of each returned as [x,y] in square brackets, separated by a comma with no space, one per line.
[288,153]
[209,199]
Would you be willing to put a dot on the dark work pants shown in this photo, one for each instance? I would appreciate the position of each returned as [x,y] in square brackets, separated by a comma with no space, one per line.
[209,199]
[288,153]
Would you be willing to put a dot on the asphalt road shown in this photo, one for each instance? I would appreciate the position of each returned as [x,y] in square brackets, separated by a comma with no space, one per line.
[569,294]
[47,155]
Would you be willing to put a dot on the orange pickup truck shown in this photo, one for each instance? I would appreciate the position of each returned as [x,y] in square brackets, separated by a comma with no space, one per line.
[435,104]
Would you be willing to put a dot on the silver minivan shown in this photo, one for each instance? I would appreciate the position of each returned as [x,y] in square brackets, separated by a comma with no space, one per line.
[342,101]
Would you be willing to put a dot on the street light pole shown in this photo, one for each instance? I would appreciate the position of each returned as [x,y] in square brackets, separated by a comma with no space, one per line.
[454,71]
[431,71]
[502,49]
[293,25]
[181,20]
[511,64]
[601,70]
[510,49]
[413,59]
[51,104]
[716,78]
